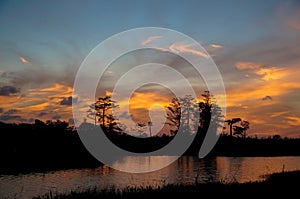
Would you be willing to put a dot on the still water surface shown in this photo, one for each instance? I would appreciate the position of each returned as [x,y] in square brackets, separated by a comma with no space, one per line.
[182,171]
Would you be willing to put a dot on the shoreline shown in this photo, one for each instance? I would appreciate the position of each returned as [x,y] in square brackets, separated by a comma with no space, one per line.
[91,165]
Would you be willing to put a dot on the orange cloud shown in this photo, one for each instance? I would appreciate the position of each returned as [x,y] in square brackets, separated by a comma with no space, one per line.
[38,107]
[256,121]
[273,73]
[294,121]
[143,103]
[184,48]
[55,90]
[257,90]
[247,65]
[267,117]
[23,60]
[280,113]
[144,107]
[162,49]
[37,100]
[216,46]
[146,100]
[277,82]
[108,93]
[150,40]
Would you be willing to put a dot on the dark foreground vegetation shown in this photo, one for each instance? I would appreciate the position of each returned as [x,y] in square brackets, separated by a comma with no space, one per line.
[285,184]
[249,146]
[41,147]
[53,145]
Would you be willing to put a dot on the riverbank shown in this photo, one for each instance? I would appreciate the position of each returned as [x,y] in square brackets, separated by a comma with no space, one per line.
[284,183]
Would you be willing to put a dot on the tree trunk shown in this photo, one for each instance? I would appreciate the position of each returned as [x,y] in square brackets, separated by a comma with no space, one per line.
[103,116]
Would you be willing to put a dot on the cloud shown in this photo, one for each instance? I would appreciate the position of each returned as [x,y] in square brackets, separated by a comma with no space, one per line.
[41,114]
[161,49]
[177,48]
[246,93]
[185,48]
[54,90]
[68,101]
[279,113]
[273,73]
[8,90]
[182,48]
[11,111]
[12,118]
[150,40]
[108,93]
[56,117]
[280,83]
[109,73]
[125,115]
[9,116]
[265,71]
[267,98]
[40,102]
[146,98]
[39,76]
[247,65]
[140,115]
[23,60]
[294,121]
[216,46]
[31,120]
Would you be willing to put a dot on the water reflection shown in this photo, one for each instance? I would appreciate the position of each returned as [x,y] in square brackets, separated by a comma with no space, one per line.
[142,164]
[184,170]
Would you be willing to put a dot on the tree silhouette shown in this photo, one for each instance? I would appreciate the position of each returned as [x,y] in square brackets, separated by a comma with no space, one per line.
[231,122]
[210,113]
[101,112]
[189,114]
[210,117]
[173,115]
[276,137]
[183,111]
[205,106]
[186,111]
[242,129]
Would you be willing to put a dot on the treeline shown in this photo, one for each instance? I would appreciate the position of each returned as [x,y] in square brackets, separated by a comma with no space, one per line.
[41,146]
[226,145]
[252,146]
[52,145]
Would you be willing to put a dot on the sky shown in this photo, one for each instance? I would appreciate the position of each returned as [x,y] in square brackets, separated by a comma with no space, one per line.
[255,44]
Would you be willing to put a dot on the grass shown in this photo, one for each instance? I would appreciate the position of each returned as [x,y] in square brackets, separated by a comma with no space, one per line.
[278,184]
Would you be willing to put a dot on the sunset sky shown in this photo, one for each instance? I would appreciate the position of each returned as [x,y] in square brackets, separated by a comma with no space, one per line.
[255,44]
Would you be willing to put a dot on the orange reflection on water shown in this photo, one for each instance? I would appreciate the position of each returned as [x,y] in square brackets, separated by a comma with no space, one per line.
[185,170]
